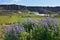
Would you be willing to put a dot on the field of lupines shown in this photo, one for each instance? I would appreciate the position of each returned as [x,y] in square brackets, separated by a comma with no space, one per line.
[47,29]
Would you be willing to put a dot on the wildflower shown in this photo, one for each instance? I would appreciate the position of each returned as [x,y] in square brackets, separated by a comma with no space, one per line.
[9,30]
[56,30]
[47,28]
[19,29]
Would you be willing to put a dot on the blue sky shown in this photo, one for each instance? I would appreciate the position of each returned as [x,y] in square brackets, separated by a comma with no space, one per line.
[32,2]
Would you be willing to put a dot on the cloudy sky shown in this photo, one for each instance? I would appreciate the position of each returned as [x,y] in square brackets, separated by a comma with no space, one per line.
[32,2]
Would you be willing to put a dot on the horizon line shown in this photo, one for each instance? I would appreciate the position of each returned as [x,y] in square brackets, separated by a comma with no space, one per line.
[34,5]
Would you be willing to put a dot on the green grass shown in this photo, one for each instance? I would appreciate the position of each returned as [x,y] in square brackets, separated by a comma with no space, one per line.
[15,18]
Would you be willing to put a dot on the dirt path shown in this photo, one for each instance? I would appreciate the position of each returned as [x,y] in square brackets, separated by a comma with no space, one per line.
[2,30]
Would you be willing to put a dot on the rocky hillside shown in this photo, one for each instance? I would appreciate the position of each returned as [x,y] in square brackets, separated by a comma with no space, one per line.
[44,9]
[22,8]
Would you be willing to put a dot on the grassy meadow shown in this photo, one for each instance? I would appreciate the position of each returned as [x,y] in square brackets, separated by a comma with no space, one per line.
[15,18]
[18,17]
[26,26]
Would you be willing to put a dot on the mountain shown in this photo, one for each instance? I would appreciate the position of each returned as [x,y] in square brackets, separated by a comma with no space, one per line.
[12,7]
[44,9]
[40,9]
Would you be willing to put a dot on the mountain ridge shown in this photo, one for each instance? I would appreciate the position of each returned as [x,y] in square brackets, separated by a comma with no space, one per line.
[31,8]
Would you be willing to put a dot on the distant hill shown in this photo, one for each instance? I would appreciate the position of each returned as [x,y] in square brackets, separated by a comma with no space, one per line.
[44,9]
[39,9]
[12,7]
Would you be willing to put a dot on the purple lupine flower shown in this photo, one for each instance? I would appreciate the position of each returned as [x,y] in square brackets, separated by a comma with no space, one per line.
[48,21]
[29,24]
[45,24]
[51,20]
[56,30]
[37,25]
[47,28]
[31,21]
[56,22]
[19,29]
[15,38]
[34,24]
[26,29]
[41,22]
[9,30]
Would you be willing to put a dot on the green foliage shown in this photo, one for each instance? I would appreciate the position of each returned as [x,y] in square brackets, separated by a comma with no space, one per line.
[9,37]
[42,34]
[23,36]
[35,32]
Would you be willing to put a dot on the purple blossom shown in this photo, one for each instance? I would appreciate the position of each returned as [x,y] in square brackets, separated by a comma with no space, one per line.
[56,30]
[29,24]
[41,22]
[15,28]
[19,28]
[14,36]
[9,30]
[47,23]
[31,21]
[47,28]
